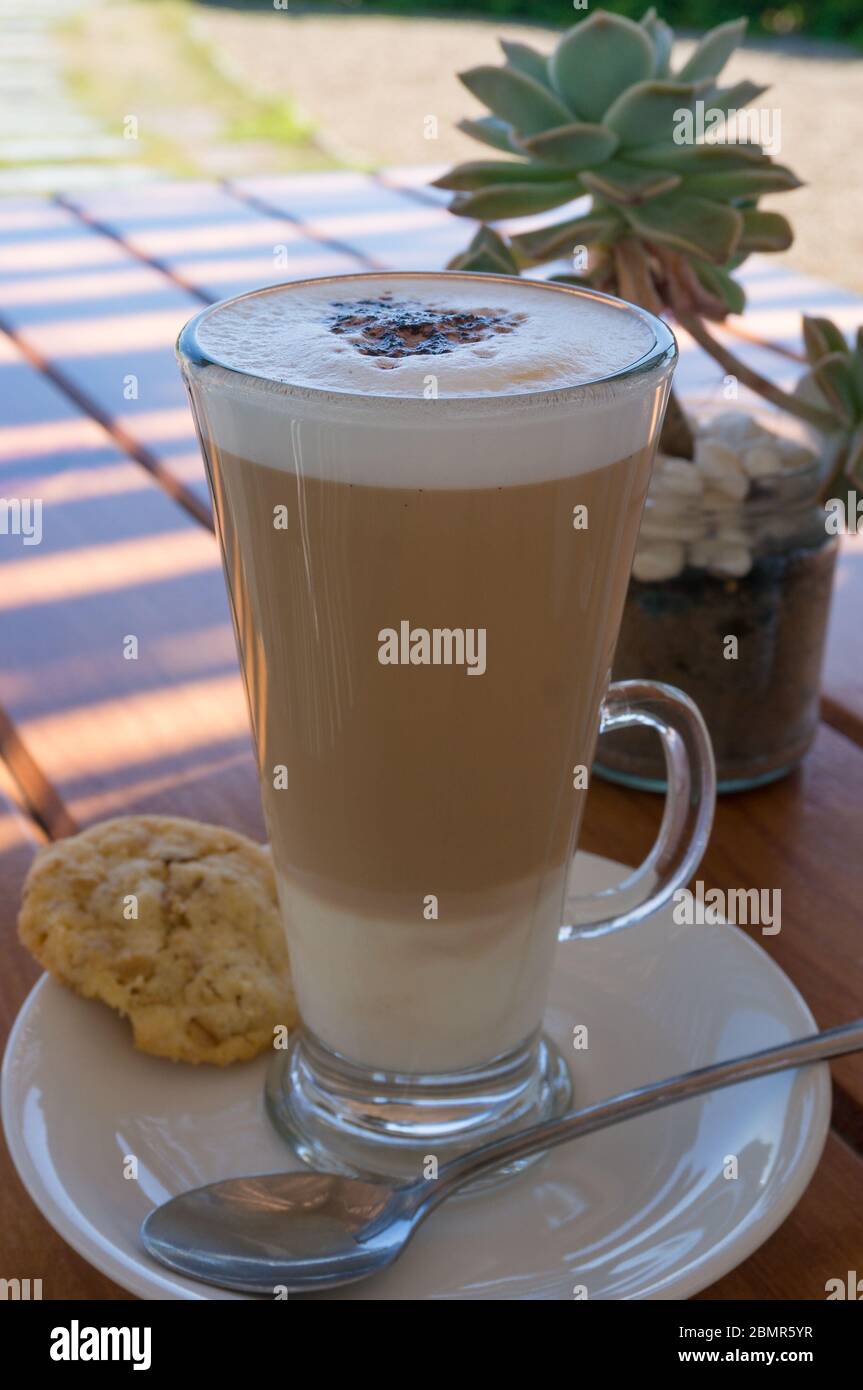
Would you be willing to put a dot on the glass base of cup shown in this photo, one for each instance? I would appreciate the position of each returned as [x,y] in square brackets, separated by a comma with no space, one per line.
[372,1124]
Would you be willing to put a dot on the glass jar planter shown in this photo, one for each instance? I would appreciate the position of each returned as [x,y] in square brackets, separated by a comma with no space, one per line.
[730,598]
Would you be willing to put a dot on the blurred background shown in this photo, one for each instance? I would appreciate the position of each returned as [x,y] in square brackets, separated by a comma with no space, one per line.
[97,92]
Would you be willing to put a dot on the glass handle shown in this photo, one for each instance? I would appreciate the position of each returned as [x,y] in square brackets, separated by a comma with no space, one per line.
[689,805]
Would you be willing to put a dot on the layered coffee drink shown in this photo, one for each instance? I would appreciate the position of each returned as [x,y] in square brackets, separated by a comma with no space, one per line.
[427,490]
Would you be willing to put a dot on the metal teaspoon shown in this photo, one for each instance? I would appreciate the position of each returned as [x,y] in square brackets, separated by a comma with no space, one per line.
[312,1230]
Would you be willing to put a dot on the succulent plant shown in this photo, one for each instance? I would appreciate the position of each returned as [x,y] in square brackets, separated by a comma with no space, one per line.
[669,220]
[834,383]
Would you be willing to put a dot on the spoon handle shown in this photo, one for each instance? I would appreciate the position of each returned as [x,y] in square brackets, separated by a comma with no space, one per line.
[820,1047]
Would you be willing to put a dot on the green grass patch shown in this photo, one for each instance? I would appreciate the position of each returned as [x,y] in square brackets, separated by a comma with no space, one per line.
[276,120]
[149,60]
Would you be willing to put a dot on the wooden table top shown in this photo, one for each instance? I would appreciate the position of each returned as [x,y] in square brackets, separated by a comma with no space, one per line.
[93,420]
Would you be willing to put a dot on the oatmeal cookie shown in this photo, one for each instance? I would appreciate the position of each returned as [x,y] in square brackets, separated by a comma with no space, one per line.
[171,922]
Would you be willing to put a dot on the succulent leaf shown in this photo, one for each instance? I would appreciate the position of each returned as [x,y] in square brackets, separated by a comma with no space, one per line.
[764,231]
[743,183]
[734,98]
[648,112]
[483,173]
[833,378]
[820,337]
[578,145]
[627,184]
[487,252]
[856,362]
[544,243]
[723,286]
[514,97]
[480,263]
[826,344]
[690,224]
[489,130]
[698,158]
[713,51]
[527,60]
[662,37]
[514,199]
[854,458]
[597,60]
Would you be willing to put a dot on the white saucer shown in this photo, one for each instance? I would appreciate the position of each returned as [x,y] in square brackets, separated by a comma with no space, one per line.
[641,1211]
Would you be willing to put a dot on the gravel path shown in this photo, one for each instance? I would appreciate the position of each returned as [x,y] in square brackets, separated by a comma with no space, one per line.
[370,83]
[45,138]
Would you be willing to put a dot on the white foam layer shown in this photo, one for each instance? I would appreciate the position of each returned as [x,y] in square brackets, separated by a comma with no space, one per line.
[493,335]
[507,432]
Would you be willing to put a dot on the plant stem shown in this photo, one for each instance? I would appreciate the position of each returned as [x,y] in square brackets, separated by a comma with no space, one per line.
[676,437]
[821,419]
[634,281]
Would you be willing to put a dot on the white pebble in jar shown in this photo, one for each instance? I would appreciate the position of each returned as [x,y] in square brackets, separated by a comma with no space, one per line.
[654,563]
[720,466]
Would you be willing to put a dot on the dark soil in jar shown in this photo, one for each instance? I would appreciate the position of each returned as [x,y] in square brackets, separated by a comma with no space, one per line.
[762,708]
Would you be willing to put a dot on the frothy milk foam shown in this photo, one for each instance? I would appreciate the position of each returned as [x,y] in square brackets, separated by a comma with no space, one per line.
[525,345]
[384,337]
[431,439]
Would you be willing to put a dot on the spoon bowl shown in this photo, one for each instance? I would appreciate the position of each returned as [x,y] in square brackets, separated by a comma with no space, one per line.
[327,1229]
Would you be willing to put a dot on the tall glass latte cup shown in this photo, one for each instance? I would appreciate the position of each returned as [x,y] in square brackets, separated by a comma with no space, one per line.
[427,489]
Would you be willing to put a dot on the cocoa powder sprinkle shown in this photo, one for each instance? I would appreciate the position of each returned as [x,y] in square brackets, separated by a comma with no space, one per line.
[389,330]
